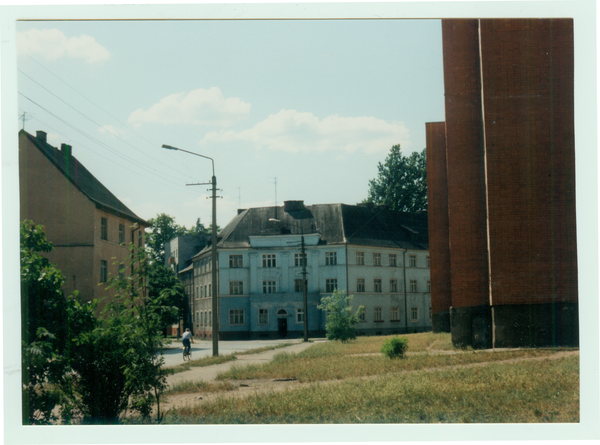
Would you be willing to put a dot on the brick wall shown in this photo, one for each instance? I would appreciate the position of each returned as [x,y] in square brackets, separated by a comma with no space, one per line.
[465,164]
[437,212]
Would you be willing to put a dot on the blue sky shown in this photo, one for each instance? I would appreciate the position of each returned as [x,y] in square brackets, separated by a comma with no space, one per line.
[288,109]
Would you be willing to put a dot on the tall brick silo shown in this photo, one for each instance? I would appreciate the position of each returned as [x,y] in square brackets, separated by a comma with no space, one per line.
[511,181]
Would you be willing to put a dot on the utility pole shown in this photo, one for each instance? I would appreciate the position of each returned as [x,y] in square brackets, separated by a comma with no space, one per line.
[304,286]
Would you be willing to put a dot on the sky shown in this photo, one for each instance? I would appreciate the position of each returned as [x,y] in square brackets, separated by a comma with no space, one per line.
[287,109]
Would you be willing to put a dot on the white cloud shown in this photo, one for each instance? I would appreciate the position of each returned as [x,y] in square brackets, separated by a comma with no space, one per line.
[198,107]
[112,130]
[293,131]
[53,44]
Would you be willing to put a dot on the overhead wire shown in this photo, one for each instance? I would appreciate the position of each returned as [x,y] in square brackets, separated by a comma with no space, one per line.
[124,157]
[186,166]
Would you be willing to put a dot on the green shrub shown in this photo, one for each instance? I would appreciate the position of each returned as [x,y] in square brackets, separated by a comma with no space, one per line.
[394,347]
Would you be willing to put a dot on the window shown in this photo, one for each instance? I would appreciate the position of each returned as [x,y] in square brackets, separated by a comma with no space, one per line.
[428,285]
[360,285]
[298,287]
[376,259]
[394,313]
[377,314]
[236,316]
[103,271]
[427,260]
[269,260]
[197,293]
[429,313]
[210,318]
[412,261]
[414,314]
[362,317]
[393,286]
[299,315]
[330,284]
[139,239]
[269,287]
[360,258]
[206,290]
[236,287]
[201,291]
[263,316]
[393,260]
[236,261]
[298,259]
[377,285]
[121,271]
[121,233]
[413,285]
[197,318]
[103,228]
[209,290]
[330,258]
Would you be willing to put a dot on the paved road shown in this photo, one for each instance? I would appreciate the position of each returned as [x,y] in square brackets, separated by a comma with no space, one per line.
[173,353]
[209,373]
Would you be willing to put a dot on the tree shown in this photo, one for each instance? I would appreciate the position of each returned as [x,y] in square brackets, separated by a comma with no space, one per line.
[162,229]
[162,279]
[401,183]
[341,321]
[49,323]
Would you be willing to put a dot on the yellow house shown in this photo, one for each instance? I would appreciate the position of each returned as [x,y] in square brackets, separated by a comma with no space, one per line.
[88,226]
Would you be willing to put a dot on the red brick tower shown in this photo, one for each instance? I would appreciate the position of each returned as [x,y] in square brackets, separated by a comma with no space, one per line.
[511,182]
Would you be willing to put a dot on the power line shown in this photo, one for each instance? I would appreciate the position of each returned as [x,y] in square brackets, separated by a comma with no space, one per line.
[96,105]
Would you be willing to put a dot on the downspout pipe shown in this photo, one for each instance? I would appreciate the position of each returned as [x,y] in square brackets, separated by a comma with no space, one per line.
[404,280]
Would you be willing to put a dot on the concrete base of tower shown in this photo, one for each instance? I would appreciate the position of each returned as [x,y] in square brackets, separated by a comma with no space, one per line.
[441,321]
[510,326]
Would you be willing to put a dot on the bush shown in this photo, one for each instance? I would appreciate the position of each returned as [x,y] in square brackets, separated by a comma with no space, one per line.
[394,347]
[341,322]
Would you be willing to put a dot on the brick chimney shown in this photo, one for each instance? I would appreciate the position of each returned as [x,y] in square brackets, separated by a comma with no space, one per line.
[41,135]
[66,149]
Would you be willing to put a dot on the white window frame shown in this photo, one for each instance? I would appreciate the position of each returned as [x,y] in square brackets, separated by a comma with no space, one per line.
[413,286]
[269,260]
[394,313]
[414,314]
[377,314]
[377,285]
[299,285]
[103,271]
[376,259]
[393,260]
[103,228]
[236,261]
[330,284]
[429,286]
[269,286]
[299,315]
[236,317]
[263,316]
[298,259]
[360,285]
[393,286]
[330,258]
[412,260]
[236,287]
[360,258]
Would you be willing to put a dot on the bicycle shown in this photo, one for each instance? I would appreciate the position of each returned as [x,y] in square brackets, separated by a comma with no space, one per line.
[187,353]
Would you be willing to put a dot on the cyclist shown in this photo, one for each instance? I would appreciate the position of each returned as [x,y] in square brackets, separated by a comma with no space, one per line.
[185,339]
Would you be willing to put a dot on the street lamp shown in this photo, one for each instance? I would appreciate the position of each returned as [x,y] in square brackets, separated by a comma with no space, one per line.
[304,280]
[215,284]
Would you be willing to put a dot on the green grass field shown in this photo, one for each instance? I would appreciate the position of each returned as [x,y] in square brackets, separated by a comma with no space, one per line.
[352,383]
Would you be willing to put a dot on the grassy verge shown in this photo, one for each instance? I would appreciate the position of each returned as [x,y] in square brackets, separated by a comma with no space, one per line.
[334,360]
[541,391]
[188,386]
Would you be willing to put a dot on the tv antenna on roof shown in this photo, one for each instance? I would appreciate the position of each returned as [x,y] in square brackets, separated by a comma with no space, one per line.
[24,118]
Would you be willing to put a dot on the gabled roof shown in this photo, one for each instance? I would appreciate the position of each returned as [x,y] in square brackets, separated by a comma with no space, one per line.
[85,182]
[336,223]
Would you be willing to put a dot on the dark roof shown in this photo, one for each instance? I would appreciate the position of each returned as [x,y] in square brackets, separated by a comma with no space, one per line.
[81,178]
[336,223]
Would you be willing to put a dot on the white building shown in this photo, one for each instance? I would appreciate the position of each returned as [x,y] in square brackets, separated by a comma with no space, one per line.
[377,255]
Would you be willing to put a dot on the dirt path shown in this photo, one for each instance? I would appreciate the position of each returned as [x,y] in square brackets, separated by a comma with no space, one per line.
[256,386]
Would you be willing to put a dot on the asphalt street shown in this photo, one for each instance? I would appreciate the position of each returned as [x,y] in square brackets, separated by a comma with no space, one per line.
[173,353]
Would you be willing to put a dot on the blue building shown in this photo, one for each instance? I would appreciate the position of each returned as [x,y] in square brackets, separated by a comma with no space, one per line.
[377,255]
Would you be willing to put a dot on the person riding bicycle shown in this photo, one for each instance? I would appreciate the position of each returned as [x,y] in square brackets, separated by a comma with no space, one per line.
[185,339]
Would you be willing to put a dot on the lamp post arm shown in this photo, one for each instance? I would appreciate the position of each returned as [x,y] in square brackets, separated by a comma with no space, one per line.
[170,147]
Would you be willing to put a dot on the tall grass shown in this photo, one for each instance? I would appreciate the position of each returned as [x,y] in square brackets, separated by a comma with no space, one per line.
[544,391]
